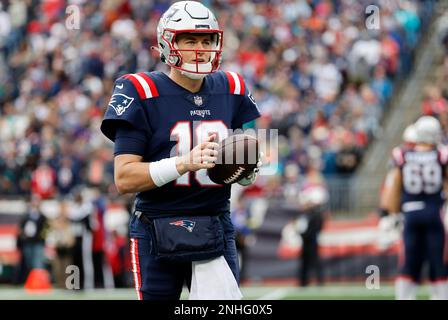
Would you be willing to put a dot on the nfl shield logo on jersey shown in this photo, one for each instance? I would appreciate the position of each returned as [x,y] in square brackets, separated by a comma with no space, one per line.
[198,101]
[120,102]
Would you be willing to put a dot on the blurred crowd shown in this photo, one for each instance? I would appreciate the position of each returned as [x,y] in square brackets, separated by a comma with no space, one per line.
[79,233]
[435,93]
[319,76]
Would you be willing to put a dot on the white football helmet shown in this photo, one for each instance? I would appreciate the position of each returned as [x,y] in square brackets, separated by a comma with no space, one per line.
[189,17]
[410,134]
[428,130]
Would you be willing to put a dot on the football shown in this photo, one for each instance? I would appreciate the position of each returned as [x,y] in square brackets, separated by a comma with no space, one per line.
[237,158]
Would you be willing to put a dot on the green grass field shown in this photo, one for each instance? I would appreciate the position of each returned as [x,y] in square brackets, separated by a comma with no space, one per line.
[328,292]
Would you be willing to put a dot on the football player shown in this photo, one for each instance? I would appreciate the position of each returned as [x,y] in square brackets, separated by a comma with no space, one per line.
[409,140]
[416,190]
[391,224]
[165,128]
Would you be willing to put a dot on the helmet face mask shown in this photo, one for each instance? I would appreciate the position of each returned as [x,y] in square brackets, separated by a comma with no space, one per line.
[189,17]
[175,58]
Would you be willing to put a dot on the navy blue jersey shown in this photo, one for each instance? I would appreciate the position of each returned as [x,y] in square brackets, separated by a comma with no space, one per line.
[173,120]
[423,174]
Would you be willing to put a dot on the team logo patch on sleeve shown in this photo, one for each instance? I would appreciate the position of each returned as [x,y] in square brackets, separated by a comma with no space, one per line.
[187,224]
[120,102]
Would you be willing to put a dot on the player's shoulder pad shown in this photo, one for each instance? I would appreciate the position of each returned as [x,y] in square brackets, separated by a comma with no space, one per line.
[398,156]
[442,151]
[143,83]
[235,83]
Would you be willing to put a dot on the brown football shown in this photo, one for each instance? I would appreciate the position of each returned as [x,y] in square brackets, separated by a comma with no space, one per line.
[237,158]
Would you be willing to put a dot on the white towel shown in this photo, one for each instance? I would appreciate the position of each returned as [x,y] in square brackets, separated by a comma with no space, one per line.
[213,280]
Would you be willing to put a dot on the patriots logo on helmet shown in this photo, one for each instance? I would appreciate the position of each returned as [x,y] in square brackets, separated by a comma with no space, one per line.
[120,102]
[187,224]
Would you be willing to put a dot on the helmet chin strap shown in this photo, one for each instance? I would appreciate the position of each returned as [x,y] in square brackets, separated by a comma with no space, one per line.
[190,71]
[193,76]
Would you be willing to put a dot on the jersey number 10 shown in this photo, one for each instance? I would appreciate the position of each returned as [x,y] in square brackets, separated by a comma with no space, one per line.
[182,132]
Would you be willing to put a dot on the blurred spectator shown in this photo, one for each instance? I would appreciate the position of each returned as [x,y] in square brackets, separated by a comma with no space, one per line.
[327,77]
[381,85]
[364,55]
[291,188]
[66,176]
[306,194]
[81,219]
[43,182]
[348,158]
[118,257]
[32,233]
[102,271]
[433,103]
[62,237]
[313,198]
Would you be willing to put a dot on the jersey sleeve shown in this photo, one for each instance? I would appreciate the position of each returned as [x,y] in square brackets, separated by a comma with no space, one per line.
[397,158]
[443,155]
[124,109]
[247,109]
[130,141]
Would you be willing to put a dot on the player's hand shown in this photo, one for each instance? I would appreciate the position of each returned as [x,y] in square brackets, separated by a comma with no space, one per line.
[386,223]
[399,222]
[203,156]
[391,222]
[251,177]
[390,229]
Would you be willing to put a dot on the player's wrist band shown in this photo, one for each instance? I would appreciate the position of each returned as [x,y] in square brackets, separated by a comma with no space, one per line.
[163,171]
